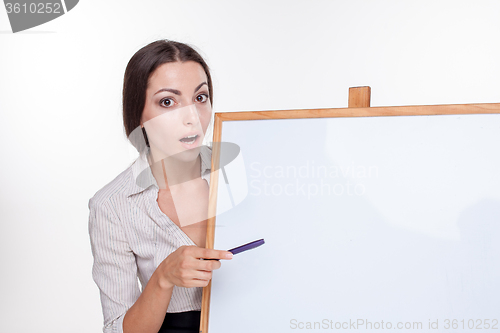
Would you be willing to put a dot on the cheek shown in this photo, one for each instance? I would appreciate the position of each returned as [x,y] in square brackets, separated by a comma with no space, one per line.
[147,113]
[205,117]
[161,130]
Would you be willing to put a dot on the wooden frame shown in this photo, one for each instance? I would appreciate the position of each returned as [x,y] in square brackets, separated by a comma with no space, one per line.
[360,100]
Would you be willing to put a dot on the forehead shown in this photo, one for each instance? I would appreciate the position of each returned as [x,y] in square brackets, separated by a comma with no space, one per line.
[177,74]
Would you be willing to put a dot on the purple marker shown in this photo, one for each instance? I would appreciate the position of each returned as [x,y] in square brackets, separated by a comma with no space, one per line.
[246,247]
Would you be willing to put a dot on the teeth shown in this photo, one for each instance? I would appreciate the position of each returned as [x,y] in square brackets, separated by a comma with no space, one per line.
[193,137]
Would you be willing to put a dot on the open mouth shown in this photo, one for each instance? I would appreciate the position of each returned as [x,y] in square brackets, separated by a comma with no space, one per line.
[189,139]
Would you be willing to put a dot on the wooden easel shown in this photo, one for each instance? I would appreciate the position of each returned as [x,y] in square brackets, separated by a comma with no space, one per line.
[359,97]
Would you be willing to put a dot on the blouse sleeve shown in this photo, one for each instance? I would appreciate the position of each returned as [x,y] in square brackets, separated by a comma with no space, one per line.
[114,269]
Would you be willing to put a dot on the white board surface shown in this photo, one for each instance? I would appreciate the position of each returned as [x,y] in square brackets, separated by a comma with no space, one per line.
[366,220]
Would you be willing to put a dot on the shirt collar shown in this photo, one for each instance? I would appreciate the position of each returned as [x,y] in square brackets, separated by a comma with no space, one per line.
[142,177]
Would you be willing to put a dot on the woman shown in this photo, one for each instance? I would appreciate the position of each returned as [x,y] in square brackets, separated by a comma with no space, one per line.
[150,221]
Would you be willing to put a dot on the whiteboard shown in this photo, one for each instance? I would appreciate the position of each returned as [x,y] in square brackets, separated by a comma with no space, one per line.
[369,222]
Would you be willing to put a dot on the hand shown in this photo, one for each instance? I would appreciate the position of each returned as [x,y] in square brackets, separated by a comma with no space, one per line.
[183,267]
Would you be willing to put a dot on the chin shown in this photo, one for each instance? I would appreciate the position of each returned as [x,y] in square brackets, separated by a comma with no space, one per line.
[187,155]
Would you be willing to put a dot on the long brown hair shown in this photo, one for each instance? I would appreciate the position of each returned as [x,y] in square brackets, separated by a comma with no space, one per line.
[140,67]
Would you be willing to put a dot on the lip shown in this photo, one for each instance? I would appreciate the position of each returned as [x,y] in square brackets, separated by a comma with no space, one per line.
[194,144]
[190,134]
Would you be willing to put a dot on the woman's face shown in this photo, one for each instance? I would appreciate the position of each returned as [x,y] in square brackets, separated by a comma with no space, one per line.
[177,110]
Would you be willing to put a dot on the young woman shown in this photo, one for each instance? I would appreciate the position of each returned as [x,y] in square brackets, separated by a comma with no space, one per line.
[150,221]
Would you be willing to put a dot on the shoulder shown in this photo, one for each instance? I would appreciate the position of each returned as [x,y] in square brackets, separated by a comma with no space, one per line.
[206,155]
[116,189]
[206,150]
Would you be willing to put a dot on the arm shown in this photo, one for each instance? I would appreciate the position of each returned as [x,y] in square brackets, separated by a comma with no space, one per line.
[114,270]
[148,312]
[125,309]
[182,268]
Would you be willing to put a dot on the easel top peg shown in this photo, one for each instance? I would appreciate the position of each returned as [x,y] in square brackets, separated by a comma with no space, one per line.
[359,97]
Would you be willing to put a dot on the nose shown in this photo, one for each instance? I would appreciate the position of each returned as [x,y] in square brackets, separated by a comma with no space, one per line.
[190,115]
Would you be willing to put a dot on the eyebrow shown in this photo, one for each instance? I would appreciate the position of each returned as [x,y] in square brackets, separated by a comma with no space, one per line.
[177,92]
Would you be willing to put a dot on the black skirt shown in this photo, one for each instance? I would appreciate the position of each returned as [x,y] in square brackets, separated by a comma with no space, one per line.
[181,322]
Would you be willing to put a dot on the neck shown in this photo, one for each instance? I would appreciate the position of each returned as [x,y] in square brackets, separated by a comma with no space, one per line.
[171,171]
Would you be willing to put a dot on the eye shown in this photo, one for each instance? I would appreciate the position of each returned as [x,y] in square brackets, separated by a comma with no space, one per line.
[202,98]
[167,102]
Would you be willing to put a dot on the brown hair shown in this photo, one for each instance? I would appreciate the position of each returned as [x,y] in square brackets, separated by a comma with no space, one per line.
[140,67]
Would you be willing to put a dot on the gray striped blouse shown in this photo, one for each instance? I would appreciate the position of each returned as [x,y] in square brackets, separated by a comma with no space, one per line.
[130,236]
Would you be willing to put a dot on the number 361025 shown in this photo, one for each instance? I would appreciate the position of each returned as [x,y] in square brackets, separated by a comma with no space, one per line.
[33,8]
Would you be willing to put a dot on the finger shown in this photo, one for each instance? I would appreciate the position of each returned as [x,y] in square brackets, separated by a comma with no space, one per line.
[194,283]
[216,265]
[208,265]
[200,280]
[199,283]
[188,263]
[214,254]
[203,275]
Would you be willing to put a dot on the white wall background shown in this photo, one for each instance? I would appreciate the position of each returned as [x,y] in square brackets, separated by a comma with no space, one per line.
[62,136]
